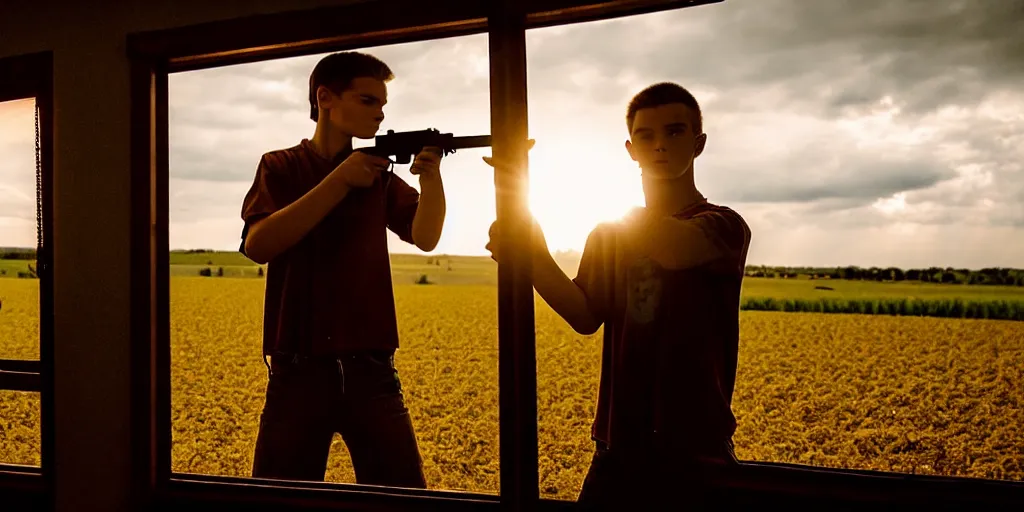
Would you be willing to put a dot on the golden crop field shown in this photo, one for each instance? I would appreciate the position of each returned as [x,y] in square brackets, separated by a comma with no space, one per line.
[19,339]
[908,394]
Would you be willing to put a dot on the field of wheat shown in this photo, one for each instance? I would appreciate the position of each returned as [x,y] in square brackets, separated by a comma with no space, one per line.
[907,394]
[19,339]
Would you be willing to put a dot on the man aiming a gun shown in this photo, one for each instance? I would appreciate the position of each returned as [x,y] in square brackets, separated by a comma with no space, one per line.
[317,214]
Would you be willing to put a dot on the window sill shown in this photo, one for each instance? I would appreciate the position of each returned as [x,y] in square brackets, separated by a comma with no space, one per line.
[802,483]
[21,487]
[752,483]
[199,492]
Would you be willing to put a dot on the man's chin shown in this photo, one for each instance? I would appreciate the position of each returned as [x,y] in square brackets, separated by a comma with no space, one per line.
[662,174]
[368,132]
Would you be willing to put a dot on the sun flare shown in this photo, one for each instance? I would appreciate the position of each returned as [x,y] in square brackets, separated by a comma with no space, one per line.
[573,188]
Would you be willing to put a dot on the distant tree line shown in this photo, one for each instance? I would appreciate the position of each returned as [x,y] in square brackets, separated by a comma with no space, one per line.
[21,255]
[949,275]
[18,255]
[943,308]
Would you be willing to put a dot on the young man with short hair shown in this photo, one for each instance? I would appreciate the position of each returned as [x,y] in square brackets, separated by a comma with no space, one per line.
[317,213]
[665,284]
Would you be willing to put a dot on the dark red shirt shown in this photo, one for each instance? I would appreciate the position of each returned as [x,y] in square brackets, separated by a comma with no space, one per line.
[332,291]
[671,337]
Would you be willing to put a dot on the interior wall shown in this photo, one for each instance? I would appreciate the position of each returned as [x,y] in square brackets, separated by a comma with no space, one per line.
[91,220]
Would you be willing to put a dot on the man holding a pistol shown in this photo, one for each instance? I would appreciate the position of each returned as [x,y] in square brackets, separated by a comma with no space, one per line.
[317,214]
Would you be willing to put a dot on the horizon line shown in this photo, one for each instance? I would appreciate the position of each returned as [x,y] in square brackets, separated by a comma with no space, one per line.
[577,253]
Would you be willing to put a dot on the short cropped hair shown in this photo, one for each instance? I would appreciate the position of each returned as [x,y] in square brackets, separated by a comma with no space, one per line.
[664,93]
[337,70]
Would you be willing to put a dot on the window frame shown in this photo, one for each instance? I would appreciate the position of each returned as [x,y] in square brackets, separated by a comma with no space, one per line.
[23,77]
[154,54]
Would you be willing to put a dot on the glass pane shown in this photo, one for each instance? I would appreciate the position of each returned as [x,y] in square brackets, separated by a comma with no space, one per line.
[881,324]
[580,176]
[19,428]
[221,122]
[19,285]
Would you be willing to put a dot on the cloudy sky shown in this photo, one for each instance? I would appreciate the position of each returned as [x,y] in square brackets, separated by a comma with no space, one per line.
[846,133]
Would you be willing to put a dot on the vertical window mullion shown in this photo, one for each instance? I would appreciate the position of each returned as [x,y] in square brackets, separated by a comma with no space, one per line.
[163,282]
[517,381]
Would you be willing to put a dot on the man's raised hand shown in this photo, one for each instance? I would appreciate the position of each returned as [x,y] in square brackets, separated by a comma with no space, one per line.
[539,244]
[427,164]
[490,160]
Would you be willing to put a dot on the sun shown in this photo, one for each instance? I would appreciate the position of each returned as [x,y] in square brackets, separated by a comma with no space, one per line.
[574,187]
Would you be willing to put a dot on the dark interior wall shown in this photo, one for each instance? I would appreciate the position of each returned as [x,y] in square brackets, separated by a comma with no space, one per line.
[91,219]
[91,248]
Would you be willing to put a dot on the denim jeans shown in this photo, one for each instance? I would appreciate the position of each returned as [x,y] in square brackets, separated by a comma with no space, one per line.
[357,395]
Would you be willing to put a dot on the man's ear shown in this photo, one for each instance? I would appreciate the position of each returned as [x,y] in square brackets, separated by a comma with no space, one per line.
[699,147]
[324,97]
[629,149]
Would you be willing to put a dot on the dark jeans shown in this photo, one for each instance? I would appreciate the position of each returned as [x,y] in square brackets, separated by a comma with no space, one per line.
[359,396]
[652,479]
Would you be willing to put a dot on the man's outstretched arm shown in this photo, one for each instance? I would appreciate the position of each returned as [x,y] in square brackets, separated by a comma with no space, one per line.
[564,295]
[715,238]
[561,293]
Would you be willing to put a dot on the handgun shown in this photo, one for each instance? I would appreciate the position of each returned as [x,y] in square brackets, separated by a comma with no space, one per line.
[403,146]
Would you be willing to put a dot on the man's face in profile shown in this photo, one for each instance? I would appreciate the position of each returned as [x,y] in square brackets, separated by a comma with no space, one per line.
[359,110]
[663,141]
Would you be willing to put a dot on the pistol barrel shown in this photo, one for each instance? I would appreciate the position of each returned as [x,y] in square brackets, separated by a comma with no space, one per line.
[474,141]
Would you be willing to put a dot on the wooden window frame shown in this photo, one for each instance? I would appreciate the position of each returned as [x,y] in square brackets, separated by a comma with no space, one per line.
[155,54]
[24,77]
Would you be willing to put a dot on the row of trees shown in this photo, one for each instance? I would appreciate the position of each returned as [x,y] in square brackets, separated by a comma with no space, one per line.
[18,254]
[30,254]
[985,276]
[949,275]
[944,308]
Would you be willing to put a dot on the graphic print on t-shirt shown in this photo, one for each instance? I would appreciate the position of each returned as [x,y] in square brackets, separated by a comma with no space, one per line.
[643,293]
